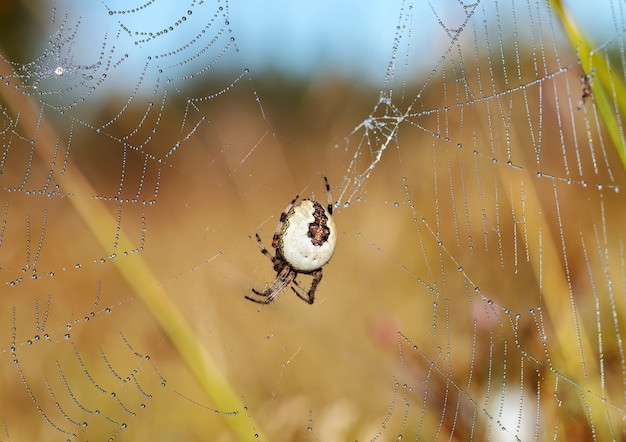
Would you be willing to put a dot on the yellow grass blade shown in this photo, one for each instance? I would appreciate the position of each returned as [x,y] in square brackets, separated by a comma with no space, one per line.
[609,91]
[133,267]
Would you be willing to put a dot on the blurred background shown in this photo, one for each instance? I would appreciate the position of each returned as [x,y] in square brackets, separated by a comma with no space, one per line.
[477,289]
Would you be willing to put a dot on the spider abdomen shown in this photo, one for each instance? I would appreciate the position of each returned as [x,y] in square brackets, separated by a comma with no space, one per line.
[308,237]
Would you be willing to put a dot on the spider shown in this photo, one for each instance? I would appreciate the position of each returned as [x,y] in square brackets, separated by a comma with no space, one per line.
[587,83]
[586,80]
[304,241]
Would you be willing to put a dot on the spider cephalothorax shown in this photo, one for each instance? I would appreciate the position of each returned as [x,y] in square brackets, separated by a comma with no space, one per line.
[304,241]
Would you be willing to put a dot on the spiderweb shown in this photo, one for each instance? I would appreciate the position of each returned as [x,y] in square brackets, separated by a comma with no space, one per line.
[477,290]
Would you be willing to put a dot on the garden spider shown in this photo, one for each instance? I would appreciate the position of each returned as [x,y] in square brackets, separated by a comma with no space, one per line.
[304,241]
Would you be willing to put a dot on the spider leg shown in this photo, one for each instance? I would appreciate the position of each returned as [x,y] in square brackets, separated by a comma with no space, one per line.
[281,221]
[308,297]
[328,195]
[259,301]
[262,247]
[266,293]
[283,279]
[265,297]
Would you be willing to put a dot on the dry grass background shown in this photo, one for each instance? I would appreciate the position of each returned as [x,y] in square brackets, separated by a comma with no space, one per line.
[339,366]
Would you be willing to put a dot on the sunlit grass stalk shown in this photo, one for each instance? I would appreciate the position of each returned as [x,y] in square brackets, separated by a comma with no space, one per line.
[609,97]
[609,91]
[136,272]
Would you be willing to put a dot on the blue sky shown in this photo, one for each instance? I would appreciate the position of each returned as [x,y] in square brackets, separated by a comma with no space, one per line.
[349,36]
[356,36]
[311,38]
